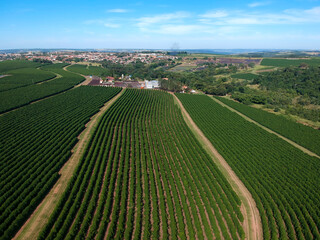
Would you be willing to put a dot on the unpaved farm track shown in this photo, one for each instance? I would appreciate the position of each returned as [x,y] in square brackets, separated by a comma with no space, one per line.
[252,221]
[84,83]
[32,227]
[312,154]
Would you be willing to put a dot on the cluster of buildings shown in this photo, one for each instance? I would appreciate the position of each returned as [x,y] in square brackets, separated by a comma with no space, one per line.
[68,56]
[110,82]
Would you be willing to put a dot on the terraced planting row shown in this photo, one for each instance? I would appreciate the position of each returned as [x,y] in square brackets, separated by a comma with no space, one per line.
[35,142]
[145,176]
[303,135]
[282,179]
[21,96]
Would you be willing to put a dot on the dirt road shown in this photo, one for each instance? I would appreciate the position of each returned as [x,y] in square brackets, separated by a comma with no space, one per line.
[252,221]
[85,82]
[32,227]
[267,129]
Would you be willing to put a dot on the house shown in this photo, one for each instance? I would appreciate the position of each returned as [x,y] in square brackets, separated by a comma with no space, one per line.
[110,79]
[151,84]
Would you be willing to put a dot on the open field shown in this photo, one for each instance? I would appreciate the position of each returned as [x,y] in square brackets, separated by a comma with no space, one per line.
[183,67]
[145,176]
[88,63]
[281,178]
[289,62]
[36,141]
[247,76]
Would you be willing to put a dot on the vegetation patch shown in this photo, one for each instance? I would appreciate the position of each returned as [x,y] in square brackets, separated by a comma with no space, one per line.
[247,76]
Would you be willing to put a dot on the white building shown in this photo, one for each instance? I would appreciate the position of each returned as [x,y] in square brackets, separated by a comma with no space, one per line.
[151,84]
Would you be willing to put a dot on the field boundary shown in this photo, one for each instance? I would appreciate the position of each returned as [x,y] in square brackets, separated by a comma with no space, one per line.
[312,154]
[83,83]
[38,219]
[252,220]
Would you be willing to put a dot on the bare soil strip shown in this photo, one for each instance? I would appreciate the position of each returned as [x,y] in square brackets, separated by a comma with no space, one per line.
[267,129]
[32,227]
[252,221]
[2,76]
[85,82]
[56,77]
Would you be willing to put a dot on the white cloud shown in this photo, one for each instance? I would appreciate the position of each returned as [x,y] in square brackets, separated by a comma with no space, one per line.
[258,4]
[313,11]
[144,22]
[289,16]
[215,14]
[118,10]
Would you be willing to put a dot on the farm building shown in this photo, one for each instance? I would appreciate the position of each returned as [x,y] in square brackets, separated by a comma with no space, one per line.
[151,84]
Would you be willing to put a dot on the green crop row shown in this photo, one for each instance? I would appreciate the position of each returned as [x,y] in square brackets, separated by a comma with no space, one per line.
[6,66]
[35,142]
[282,179]
[145,176]
[303,135]
[21,96]
[24,77]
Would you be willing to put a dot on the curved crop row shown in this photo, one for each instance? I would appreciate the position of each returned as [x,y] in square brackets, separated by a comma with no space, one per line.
[283,180]
[35,142]
[21,96]
[24,77]
[145,176]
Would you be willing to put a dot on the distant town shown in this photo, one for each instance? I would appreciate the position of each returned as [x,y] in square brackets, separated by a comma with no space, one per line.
[84,56]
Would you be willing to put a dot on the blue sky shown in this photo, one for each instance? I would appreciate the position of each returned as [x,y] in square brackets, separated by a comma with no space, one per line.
[281,24]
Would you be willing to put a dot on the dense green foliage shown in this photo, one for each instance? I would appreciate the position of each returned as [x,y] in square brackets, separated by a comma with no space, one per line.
[289,62]
[247,76]
[23,77]
[303,81]
[6,66]
[282,179]
[145,176]
[296,90]
[18,97]
[303,135]
[35,142]
[138,70]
